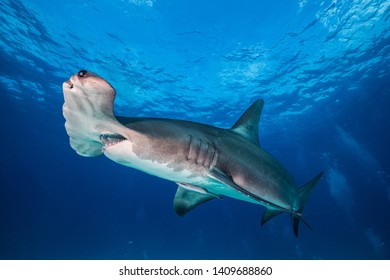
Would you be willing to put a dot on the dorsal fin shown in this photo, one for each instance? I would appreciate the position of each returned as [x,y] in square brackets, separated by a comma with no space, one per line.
[248,125]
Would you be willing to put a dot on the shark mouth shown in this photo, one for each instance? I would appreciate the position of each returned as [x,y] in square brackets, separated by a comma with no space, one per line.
[109,140]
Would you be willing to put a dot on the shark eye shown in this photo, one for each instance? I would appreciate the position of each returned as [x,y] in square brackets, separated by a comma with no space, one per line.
[82,73]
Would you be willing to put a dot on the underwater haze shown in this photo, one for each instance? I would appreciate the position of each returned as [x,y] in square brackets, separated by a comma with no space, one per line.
[322,68]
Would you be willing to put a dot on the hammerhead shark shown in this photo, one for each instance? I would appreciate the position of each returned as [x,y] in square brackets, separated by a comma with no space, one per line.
[205,161]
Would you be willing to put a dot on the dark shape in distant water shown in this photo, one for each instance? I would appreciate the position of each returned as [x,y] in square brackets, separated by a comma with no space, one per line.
[205,161]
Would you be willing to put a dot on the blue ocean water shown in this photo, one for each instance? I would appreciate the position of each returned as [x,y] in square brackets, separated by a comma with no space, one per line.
[322,67]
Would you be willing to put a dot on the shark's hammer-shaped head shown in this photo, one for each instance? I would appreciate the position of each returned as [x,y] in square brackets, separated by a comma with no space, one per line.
[88,110]
[97,93]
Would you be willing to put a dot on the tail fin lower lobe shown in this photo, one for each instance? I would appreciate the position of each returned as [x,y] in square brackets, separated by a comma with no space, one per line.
[304,194]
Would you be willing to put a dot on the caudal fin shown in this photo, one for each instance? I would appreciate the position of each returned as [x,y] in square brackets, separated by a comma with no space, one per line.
[304,194]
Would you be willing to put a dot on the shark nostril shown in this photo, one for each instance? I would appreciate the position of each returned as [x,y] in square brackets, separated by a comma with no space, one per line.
[70,84]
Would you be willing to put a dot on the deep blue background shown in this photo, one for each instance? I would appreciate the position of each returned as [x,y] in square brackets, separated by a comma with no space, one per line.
[321,66]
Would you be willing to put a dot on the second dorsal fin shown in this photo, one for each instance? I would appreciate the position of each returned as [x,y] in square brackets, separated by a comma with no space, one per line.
[248,124]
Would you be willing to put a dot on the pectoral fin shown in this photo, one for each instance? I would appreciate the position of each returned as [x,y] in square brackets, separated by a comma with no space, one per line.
[185,200]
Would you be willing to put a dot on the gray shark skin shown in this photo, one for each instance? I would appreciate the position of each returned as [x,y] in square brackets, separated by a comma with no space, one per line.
[206,162]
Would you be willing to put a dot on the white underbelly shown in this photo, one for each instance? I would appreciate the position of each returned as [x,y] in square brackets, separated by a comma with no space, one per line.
[122,153]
